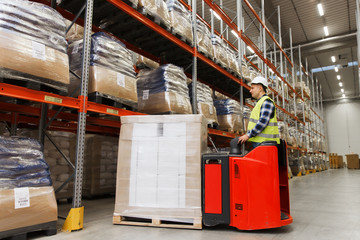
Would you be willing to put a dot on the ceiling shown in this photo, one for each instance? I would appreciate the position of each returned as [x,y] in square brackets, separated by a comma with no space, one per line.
[307,31]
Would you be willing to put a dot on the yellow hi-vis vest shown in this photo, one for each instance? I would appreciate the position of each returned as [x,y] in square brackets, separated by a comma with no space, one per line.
[271,131]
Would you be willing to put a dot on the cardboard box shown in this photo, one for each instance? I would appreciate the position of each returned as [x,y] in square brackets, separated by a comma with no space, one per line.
[209,112]
[353,161]
[340,162]
[109,82]
[159,167]
[42,209]
[26,56]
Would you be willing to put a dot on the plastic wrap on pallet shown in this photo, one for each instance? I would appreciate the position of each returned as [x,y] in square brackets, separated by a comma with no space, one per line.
[180,19]
[283,131]
[158,171]
[163,90]
[204,39]
[292,137]
[306,90]
[252,73]
[75,33]
[229,115]
[205,102]
[157,9]
[220,52]
[27,206]
[245,72]
[144,62]
[232,61]
[111,68]
[22,164]
[100,165]
[33,44]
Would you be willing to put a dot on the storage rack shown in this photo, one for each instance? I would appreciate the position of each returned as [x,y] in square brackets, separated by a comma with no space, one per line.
[177,52]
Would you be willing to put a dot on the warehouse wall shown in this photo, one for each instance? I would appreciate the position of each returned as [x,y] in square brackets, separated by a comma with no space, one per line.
[343,124]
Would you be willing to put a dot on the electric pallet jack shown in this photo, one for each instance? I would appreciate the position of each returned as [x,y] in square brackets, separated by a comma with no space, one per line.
[247,192]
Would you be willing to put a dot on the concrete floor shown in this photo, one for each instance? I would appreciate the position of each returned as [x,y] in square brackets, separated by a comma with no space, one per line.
[324,205]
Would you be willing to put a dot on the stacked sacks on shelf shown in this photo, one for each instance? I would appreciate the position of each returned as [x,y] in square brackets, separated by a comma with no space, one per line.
[283,131]
[157,9]
[33,44]
[204,39]
[180,19]
[229,115]
[27,195]
[232,61]
[296,163]
[246,72]
[308,162]
[163,90]
[299,109]
[76,32]
[142,62]
[220,52]
[205,103]
[111,73]
[101,154]
[306,89]
[246,117]
[292,141]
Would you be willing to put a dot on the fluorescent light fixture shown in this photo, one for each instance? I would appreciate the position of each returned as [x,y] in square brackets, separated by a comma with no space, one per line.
[326,31]
[342,90]
[343,95]
[338,77]
[336,69]
[235,34]
[333,59]
[250,49]
[215,14]
[320,9]
[340,84]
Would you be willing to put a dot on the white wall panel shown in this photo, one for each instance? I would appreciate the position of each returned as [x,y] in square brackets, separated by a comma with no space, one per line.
[343,124]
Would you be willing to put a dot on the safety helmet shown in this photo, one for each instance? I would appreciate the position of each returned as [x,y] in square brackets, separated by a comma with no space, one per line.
[260,79]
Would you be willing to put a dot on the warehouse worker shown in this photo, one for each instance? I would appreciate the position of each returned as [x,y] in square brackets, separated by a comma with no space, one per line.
[262,123]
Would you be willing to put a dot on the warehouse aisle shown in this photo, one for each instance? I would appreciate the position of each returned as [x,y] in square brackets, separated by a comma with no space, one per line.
[324,205]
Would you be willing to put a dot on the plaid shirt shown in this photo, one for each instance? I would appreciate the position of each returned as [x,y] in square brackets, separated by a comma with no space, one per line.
[266,112]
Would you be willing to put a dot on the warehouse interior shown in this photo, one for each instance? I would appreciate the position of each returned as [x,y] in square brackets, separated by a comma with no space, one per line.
[120,119]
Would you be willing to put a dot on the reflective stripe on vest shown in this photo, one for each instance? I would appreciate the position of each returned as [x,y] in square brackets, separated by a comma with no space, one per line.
[271,131]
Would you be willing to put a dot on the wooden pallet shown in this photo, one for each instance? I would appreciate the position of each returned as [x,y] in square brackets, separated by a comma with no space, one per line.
[108,100]
[121,220]
[47,229]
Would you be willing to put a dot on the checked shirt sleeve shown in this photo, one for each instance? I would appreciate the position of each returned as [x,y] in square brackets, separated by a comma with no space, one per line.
[266,112]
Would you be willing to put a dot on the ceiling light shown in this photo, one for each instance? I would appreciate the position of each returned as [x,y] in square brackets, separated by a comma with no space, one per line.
[326,31]
[336,69]
[340,84]
[320,9]
[333,59]
[215,14]
[343,95]
[342,90]
[250,49]
[235,33]
[338,77]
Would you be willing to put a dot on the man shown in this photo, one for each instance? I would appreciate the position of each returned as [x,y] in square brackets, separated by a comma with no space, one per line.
[262,123]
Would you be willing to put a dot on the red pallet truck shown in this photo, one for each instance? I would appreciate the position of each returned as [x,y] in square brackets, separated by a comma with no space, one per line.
[247,192]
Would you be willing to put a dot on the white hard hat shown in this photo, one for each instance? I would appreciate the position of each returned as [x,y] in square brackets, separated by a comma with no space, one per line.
[260,79]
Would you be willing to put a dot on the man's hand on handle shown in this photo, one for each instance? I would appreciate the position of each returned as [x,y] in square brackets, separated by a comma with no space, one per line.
[243,139]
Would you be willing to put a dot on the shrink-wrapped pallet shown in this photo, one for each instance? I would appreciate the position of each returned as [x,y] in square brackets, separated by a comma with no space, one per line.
[205,102]
[144,62]
[26,192]
[159,168]
[163,90]
[220,52]
[33,44]
[283,131]
[111,70]
[296,164]
[76,32]
[292,137]
[100,165]
[229,115]
[232,61]
[306,90]
[180,19]
[157,9]
[204,39]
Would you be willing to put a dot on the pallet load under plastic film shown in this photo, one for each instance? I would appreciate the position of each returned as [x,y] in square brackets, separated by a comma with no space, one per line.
[163,90]
[229,115]
[157,9]
[180,19]
[205,102]
[159,168]
[111,68]
[33,44]
[26,194]
[204,39]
